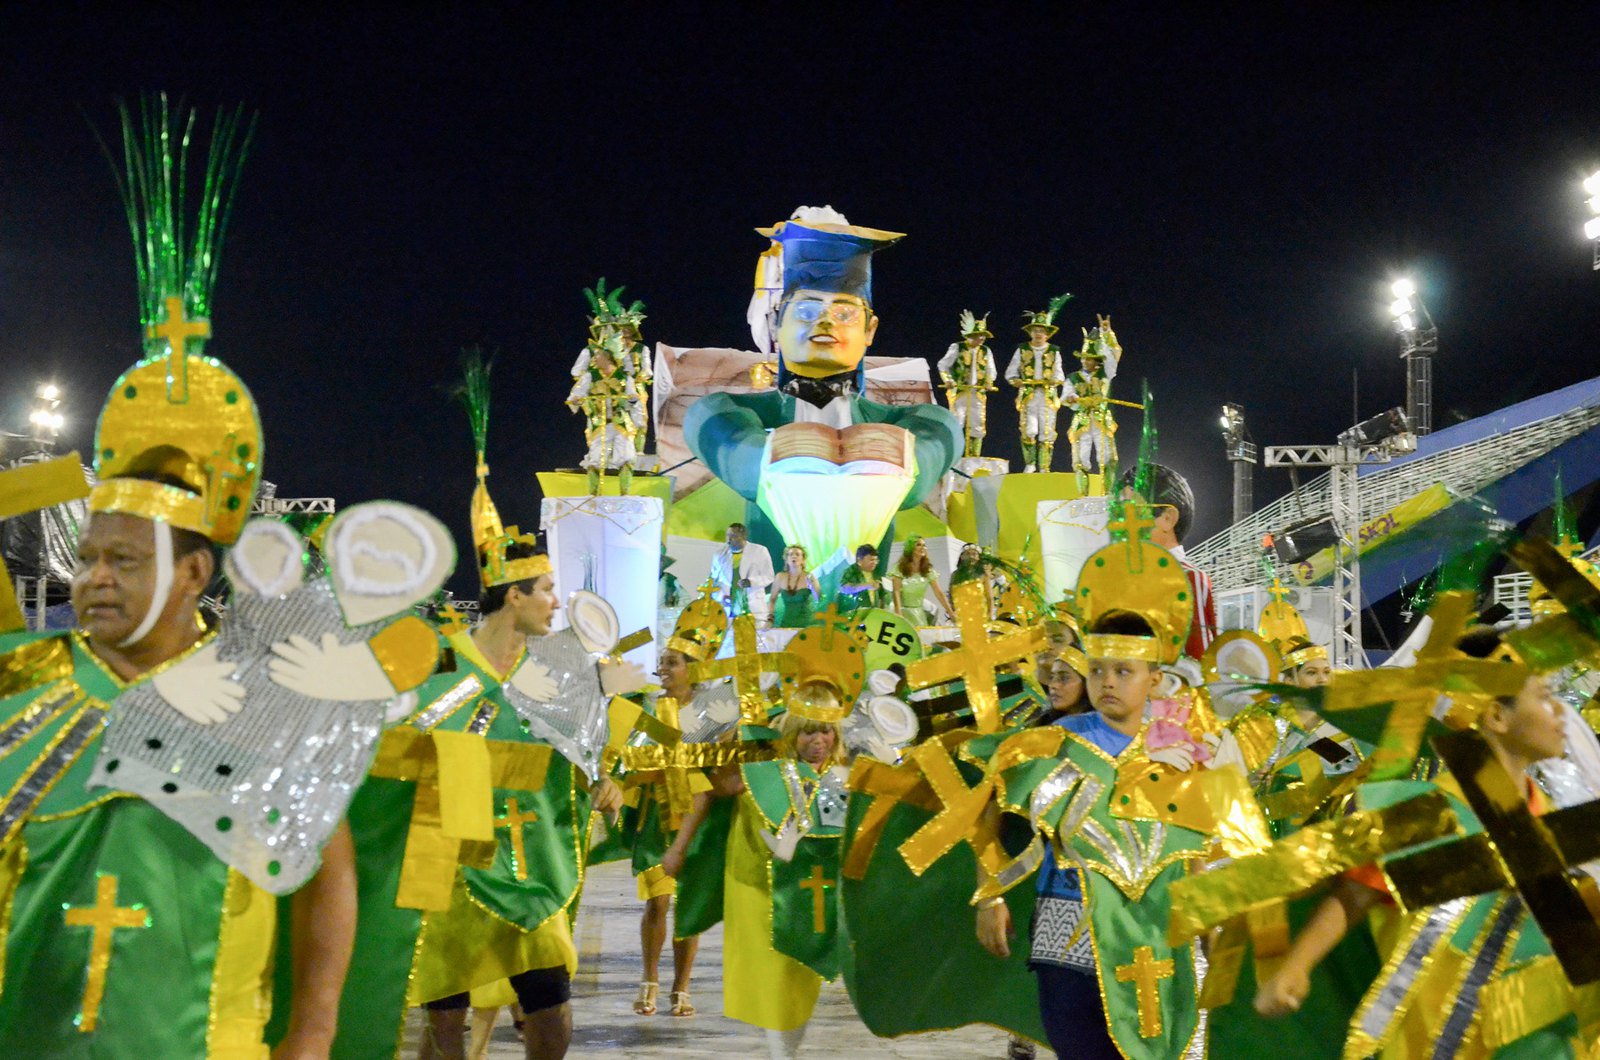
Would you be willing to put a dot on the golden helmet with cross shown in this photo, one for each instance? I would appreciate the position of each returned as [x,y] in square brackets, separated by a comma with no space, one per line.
[1135,575]
[701,627]
[830,670]
[179,440]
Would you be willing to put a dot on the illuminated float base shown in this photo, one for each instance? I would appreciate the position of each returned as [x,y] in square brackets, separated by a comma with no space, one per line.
[611,546]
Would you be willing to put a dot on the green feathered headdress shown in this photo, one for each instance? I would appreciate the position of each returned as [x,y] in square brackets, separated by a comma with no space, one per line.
[177,241]
[1046,318]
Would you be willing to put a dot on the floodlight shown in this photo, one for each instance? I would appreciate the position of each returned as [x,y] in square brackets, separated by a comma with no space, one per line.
[49,391]
[1591,184]
[1402,288]
[1400,307]
[1375,429]
[1406,322]
[1591,228]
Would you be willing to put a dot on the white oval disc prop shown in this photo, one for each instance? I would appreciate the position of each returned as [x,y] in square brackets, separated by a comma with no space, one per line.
[594,621]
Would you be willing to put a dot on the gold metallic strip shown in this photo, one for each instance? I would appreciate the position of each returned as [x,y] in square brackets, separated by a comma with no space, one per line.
[1302,860]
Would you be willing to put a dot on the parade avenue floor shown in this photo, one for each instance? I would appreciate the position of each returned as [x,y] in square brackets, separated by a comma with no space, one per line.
[608,979]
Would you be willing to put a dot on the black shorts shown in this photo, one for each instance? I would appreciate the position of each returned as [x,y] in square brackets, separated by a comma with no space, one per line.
[537,989]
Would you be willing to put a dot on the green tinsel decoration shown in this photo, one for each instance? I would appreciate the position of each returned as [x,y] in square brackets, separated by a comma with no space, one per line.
[473,393]
[1562,532]
[1465,570]
[176,254]
[1143,477]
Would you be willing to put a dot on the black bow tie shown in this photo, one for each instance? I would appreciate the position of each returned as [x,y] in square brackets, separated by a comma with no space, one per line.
[819,392]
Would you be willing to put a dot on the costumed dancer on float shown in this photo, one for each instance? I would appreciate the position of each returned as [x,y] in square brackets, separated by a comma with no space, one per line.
[148,826]
[742,572]
[782,869]
[819,464]
[1093,430]
[1035,370]
[636,360]
[605,394]
[968,372]
[507,916]
[913,579]
[697,714]
[796,596]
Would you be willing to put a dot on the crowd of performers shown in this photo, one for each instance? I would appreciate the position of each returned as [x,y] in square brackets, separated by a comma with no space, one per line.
[1097,822]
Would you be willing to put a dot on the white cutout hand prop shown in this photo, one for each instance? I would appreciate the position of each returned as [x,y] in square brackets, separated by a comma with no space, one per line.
[620,678]
[330,670]
[1177,757]
[784,843]
[533,680]
[201,688]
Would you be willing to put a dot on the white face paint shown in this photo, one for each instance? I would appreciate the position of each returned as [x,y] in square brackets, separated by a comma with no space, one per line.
[163,586]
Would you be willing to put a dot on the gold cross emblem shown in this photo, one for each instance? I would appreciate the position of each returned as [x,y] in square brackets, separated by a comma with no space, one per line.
[177,330]
[513,820]
[818,885]
[104,917]
[1146,973]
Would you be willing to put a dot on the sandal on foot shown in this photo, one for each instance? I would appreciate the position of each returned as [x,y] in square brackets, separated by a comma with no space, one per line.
[645,1004]
[681,1005]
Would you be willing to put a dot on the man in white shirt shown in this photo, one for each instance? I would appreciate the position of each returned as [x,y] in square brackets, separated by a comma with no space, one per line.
[743,571]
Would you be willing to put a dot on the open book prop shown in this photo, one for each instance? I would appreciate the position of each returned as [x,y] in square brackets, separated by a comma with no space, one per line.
[828,489]
[256,743]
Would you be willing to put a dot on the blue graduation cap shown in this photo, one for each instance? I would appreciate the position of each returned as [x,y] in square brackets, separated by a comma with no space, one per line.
[828,257]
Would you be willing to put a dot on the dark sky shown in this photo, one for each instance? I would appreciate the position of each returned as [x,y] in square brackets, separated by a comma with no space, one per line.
[1234,190]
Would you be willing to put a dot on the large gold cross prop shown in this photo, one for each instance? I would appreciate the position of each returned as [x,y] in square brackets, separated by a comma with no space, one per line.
[27,489]
[177,330]
[1146,973]
[1442,684]
[978,658]
[512,821]
[959,818]
[746,665]
[675,760]
[1536,855]
[818,885]
[104,917]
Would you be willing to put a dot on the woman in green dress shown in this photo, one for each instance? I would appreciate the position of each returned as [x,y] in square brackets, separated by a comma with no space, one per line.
[797,596]
[912,579]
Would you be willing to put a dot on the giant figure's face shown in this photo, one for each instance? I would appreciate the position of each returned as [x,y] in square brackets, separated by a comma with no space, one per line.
[823,333]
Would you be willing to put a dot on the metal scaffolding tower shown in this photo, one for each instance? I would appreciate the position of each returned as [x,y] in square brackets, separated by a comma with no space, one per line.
[1345,508]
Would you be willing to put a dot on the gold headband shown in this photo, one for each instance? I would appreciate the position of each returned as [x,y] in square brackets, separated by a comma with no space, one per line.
[152,500]
[1122,646]
[1310,653]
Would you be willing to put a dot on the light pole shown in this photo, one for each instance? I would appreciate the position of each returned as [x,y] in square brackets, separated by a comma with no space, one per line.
[45,417]
[1242,455]
[1419,341]
[1591,227]
[45,420]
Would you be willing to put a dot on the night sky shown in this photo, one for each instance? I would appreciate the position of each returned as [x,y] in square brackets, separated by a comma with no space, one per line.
[1234,191]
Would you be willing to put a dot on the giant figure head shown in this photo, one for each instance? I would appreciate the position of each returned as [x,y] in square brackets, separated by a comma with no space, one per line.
[825,321]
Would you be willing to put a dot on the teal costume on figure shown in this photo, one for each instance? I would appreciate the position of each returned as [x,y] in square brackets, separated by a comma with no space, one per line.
[727,432]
